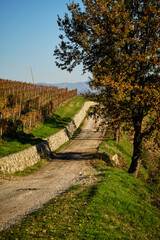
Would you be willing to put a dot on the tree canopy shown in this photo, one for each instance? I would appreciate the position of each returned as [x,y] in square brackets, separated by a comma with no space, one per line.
[118,42]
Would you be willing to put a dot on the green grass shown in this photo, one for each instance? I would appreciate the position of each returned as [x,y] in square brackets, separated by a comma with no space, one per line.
[118,207]
[58,121]
[12,146]
[124,150]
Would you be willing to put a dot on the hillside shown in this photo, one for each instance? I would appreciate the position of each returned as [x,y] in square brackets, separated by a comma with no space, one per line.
[80,86]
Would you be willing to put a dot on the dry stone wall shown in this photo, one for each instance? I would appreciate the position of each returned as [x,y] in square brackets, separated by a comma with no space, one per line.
[28,157]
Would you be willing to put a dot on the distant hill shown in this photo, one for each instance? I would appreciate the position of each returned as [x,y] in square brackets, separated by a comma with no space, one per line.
[81,86]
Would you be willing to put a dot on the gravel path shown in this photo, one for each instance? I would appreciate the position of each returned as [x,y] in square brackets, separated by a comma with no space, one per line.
[25,195]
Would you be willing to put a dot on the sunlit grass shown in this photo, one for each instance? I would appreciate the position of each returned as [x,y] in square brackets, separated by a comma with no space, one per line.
[59,120]
[124,149]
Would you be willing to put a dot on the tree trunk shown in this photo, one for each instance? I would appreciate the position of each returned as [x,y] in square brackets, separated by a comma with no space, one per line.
[117,133]
[137,148]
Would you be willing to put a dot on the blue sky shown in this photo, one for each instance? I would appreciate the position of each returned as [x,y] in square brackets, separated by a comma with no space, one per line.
[29,34]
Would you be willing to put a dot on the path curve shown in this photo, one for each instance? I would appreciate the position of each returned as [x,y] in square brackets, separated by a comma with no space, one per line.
[25,195]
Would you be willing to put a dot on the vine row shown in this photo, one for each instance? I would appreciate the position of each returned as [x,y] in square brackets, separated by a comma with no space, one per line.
[22,105]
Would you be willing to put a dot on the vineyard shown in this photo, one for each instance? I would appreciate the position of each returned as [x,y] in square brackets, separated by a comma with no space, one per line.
[23,105]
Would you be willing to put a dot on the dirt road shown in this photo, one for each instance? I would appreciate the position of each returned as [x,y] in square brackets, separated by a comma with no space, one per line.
[21,197]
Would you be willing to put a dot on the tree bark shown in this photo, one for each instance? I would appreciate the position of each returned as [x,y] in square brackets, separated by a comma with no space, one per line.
[117,133]
[137,148]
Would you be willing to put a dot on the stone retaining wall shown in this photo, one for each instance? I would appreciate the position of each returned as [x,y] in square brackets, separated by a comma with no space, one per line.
[29,156]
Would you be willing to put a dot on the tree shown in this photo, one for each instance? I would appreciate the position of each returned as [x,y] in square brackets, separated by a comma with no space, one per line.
[118,42]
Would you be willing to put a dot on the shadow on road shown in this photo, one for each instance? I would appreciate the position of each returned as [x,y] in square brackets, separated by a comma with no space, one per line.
[77,156]
[72,156]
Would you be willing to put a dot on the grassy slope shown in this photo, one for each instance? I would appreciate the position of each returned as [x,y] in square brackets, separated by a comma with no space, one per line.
[116,207]
[119,207]
[58,121]
[124,150]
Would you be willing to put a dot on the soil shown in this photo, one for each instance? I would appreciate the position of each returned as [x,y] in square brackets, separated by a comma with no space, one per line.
[23,195]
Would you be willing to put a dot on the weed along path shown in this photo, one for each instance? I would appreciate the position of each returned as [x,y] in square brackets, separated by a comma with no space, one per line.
[69,167]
